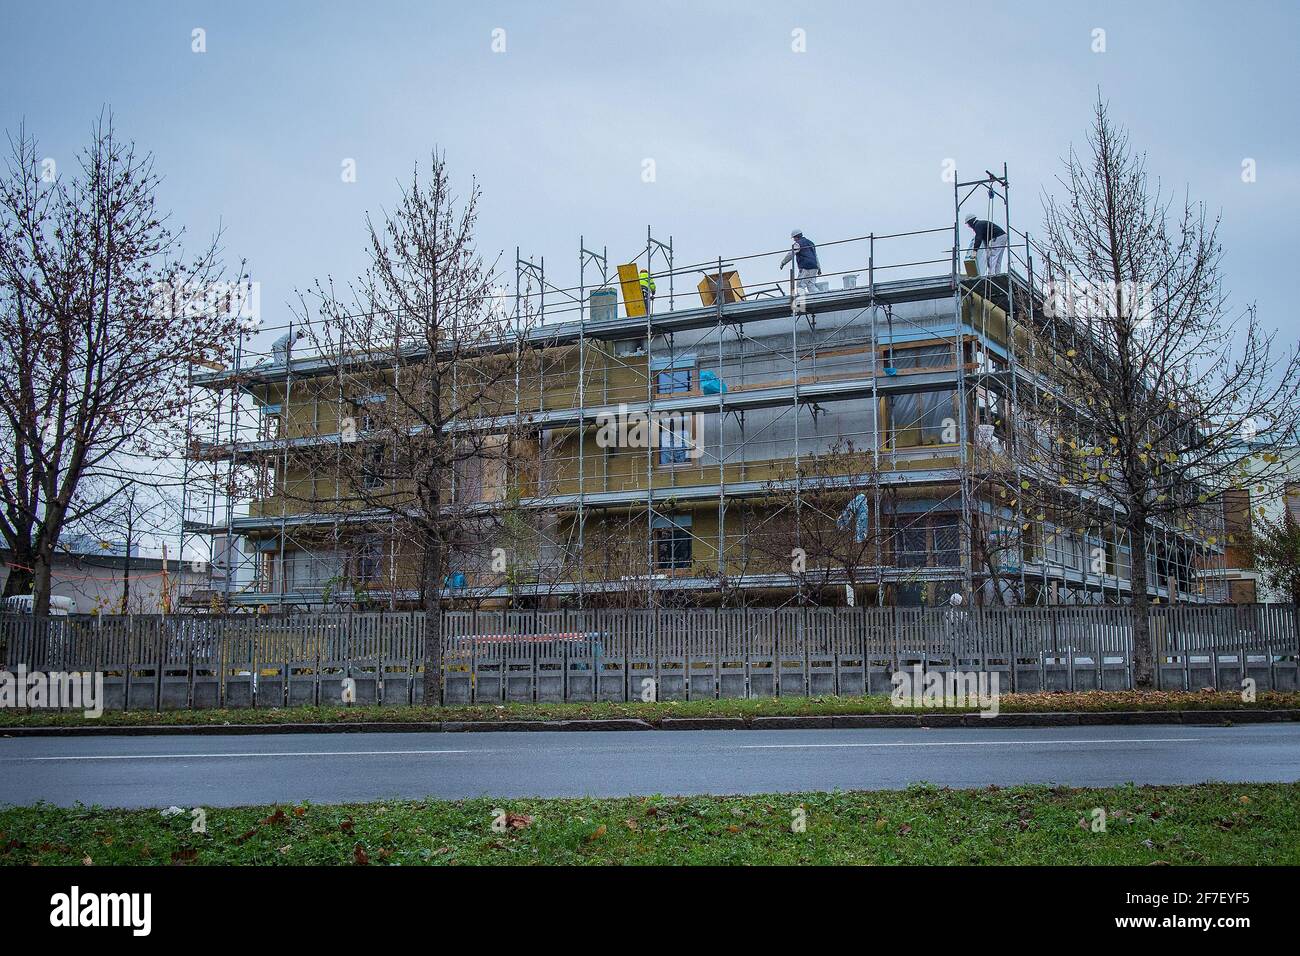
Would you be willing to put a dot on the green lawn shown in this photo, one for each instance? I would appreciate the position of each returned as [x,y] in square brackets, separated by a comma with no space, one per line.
[1243,824]
[755,707]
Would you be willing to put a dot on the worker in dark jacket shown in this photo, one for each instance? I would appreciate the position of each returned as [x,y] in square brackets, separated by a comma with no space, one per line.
[990,245]
[804,254]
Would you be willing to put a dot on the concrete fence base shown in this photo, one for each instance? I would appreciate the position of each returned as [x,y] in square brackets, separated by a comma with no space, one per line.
[154,663]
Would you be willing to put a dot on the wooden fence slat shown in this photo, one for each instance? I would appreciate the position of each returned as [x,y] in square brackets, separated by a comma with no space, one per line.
[532,654]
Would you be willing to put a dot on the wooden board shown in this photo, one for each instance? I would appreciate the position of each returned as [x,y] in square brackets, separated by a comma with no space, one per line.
[629,277]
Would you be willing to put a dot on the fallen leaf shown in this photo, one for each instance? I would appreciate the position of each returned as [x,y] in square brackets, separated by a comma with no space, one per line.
[87,861]
[600,832]
[187,855]
[517,821]
[346,825]
[359,856]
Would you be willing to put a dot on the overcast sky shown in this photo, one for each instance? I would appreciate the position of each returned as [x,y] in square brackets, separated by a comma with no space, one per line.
[749,136]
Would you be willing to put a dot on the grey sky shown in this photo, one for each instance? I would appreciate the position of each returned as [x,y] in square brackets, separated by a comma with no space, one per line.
[749,138]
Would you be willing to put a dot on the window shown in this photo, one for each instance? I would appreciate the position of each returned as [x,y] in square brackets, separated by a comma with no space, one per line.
[1125,563]
[674,439]
[369,558]
[912,546]
[1061,549]
[923,418]
[947,543]
[672,538]
[304,570]
[1094,555]
[671,381]
[674,374]
[928,542]
[371,408]
[926,356]
[372,469]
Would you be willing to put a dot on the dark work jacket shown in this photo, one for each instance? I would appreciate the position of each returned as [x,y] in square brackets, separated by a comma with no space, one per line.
[806,256]
[986,231]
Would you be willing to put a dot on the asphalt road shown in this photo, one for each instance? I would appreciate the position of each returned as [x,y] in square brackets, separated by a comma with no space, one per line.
[339,768]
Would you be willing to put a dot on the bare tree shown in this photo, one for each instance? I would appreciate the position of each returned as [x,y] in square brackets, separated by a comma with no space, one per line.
[1156,383]
[99,314]
[427,385]
[614,562]
[820,523]
[137,510]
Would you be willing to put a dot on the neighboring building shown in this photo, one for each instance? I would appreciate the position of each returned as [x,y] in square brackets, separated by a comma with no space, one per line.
[1243,508]
[916,369]
[91,573]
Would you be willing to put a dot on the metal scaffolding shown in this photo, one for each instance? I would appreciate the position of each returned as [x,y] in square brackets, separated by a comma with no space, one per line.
[836,365]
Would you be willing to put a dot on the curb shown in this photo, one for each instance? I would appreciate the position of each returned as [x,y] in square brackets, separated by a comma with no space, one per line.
[518,726]
[702,723]
[1223,718]
[792,723]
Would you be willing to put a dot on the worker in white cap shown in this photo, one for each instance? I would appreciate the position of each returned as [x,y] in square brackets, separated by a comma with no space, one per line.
[989,246]
[804,254]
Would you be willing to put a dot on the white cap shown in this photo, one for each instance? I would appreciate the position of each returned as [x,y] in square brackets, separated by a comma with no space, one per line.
[972,218]
[794,233]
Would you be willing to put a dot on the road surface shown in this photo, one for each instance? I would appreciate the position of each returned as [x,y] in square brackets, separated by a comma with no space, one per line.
[339,768]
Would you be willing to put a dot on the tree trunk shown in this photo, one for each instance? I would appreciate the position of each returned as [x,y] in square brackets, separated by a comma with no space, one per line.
[430,586]
[1295,620]
[1140,606]
[41,587]
[126,573]
[20,577]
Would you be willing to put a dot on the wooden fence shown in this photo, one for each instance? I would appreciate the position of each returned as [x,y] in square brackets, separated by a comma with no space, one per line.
[151,662]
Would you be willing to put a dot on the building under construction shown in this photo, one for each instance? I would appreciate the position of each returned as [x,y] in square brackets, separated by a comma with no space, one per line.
[852,439]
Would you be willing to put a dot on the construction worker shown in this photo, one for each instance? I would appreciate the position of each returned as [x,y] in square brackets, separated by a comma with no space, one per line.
[804,254]
[989,246]
[648,291]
